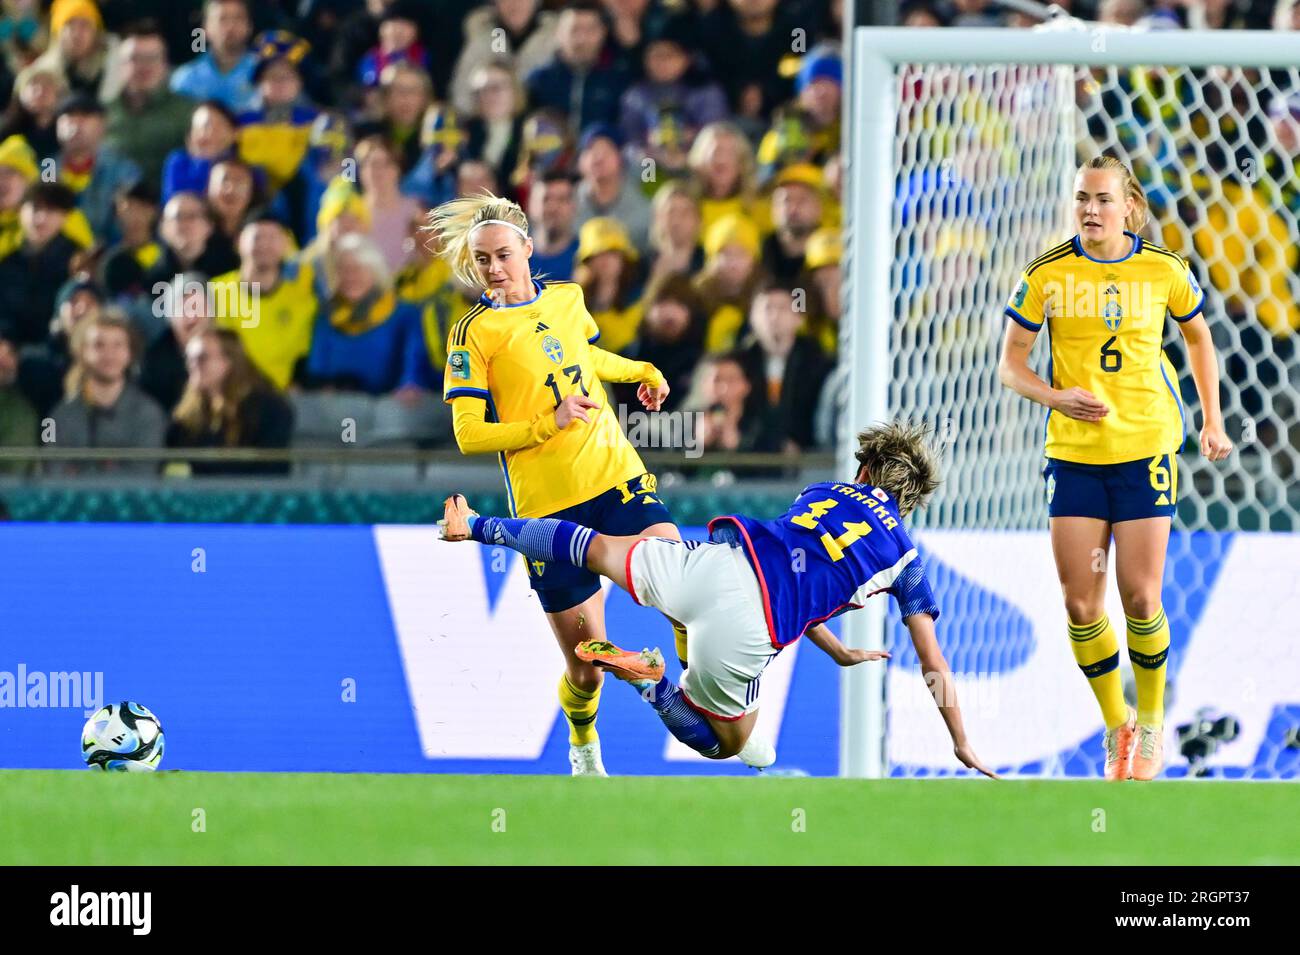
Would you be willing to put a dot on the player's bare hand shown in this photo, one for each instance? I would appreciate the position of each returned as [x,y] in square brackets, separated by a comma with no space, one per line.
[967,757]
[1215,445]
[573,408]
[1079,404]
[856,655]
[652,398]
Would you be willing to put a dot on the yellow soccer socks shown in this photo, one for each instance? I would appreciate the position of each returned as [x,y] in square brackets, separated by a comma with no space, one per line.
[1096,650]
[579,708]
[1148,649]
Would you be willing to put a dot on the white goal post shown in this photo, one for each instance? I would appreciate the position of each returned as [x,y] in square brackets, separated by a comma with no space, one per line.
[873,159]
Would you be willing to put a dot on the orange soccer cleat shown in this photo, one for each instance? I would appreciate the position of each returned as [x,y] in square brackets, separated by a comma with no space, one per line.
[1148,752]
[1119,748]
[456,513]
[644,667]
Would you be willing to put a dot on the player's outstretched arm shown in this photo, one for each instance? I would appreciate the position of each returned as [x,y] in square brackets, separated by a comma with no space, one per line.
[610,367]
[939,678]
[828,643]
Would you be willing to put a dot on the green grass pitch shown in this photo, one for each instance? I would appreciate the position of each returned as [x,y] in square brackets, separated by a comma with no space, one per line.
[86,818]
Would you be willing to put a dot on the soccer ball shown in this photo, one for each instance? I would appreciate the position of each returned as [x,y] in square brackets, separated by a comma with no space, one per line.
[123,737]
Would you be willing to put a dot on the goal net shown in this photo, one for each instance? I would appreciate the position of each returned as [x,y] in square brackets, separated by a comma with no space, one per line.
[980,170]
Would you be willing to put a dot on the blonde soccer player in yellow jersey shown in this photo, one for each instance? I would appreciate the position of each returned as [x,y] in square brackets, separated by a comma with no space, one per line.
[524,380]
[1115,424]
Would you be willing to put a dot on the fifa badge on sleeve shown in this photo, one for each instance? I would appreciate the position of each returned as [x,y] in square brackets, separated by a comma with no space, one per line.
[459,364]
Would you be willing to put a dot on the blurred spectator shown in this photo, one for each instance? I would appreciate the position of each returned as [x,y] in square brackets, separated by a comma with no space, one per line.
[528,36]
[22,37]
[124,265]
[731,274]
[275,132]
[661,115]
[146,119]
[162,368]
[788,368]
[101,407]
[1109,12]
[18,421]
[1286,15]
[45,364]
[607,188]
[674,232]
[399,42]
[582,80]
[923,14]
[495,129]
[211,138]
[79,51]
[552,216]
[224,72]
[474,177]
[233,195]
[606,270]
[270,302]
[365,338]
[745,41]
[547,144]
[822,267]
[403,103]
[442,147]
[391,213]
[33,110]
[809,130]
[630,23]
[727,418]
[671,337]
[227,404]
[191,242]
[797,212]
[723,172]
[328,156]
[31,275]
[93,171]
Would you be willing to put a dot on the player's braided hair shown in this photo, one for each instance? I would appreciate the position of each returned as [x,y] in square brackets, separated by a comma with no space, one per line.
[1132,189]
[452,223]
[900,461]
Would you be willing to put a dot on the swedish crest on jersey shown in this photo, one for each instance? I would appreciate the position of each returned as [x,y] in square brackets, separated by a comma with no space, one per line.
[1112,313]
[552,348]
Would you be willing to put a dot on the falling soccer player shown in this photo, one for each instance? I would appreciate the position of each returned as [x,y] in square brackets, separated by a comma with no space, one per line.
[757,586]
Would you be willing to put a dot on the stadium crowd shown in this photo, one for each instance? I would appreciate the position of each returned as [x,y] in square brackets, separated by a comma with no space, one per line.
[210,210]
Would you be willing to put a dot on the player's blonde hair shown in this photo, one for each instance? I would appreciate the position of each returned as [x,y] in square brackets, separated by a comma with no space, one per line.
[1132,189]
[900,461]
[452,224]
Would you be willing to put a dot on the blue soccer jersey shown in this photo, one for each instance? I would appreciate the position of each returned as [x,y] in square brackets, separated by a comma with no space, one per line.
[837,545]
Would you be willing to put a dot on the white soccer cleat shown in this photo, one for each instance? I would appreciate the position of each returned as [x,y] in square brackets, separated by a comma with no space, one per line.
[757,752]
[585,760]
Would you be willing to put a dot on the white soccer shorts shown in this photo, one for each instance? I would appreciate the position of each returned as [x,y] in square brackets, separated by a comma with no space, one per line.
[711,589]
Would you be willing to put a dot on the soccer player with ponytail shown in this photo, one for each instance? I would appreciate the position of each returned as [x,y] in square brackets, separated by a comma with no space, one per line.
[1115,424]
[524,380]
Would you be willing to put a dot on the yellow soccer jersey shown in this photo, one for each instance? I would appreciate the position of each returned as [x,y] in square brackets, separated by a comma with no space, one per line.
[274,325]
[523,360]
[1105,322]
